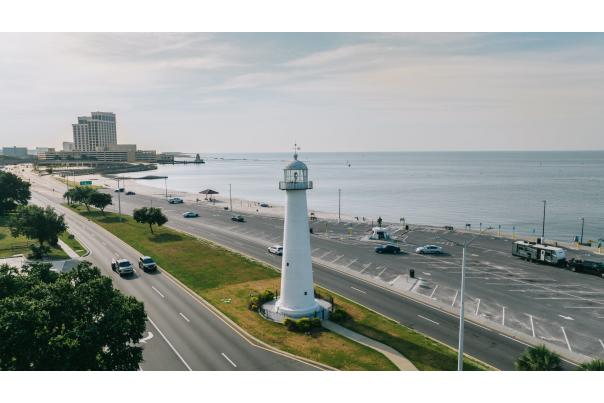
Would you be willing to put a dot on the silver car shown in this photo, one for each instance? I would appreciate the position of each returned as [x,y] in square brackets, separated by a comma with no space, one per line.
[276,250]
[429,250]
[123,267]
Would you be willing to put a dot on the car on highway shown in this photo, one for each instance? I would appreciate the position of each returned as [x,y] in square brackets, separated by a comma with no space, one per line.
[190,214]
[429,250]
[130,193]
[264,205]
[175,200]
[586,266]
[238,218]
[123,267]
[147,264]
[120,190]
[276,250]
[388,248]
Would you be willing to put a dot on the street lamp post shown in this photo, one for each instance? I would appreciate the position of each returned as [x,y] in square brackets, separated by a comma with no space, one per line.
[582,228]
[462,299]
[543,225]
[166,185]
[230,198]
[119,199]
[339,204]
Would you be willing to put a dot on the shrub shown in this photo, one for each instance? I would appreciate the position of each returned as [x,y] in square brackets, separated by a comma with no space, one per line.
[339,316]
[257,300]
[302,325]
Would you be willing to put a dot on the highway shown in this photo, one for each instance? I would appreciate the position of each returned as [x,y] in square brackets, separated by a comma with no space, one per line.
[492,346]
[182,333]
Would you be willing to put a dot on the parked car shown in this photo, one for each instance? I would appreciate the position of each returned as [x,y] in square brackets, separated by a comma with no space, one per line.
[147,264]
[190,214]
[586,266]
[276,250]
[429,250]
[120,190]
[123,267]
[264,205]
[238,218]
[388,248]
[175,200]
[130,193]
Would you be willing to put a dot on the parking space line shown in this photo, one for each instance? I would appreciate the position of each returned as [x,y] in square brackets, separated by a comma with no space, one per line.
[365,267]
[503,316]
[353,261]
[157,291]
[356,289]
[382,272]
[532,325]
[229,360]
[394,281]
[566,338]
[184,317]
[455,297]
[601,343]
[477,307]
[429,320]
[433,291]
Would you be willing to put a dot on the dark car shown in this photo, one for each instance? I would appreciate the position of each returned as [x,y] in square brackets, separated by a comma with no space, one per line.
[586,266]
[264,205]
[130,193]
[147,264]
[120,190]
[238,218]
[388,249]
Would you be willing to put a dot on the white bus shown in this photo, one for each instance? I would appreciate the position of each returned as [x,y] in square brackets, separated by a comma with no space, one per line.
[539,253]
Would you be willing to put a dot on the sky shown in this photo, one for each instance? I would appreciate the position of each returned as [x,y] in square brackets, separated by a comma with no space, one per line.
[214,93]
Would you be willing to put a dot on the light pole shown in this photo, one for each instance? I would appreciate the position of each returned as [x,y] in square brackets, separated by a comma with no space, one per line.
[582,228]
[230,198]
[462,292]
[119,199]
[166,185]
[543,225]
[339,204]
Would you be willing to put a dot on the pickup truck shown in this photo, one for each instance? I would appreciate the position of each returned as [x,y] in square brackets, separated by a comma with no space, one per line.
[123,267]
[586,266]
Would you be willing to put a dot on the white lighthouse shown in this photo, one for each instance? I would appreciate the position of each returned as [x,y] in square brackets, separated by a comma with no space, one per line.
[297,297]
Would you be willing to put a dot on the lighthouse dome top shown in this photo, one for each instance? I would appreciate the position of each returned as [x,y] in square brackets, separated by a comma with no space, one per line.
[296,164]
[295,176]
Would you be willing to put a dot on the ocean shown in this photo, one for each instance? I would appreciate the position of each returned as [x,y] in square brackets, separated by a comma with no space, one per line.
[504,189]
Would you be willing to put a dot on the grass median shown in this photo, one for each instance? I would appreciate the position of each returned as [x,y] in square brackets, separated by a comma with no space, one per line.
[227,280]
[11,246]
[73,243]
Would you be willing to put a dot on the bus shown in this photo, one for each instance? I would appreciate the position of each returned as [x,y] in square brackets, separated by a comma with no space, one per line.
[534,252]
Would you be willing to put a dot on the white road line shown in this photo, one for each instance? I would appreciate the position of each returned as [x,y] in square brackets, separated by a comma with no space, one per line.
[566,338]
[365,267]
[601,343]
[433,291]
[532,325]
[157,291]
[356,289]
[394,281]
[426,273]
[455,298]
[429,320]
[352,262]
[184,317]
[169,344]
[477,307]
[385,268]
[337,258]
[566,317]
[229,360]
[503,316]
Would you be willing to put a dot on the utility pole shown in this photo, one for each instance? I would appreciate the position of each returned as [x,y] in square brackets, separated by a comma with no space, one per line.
[119,199]
[166,185]
[582,228]
[543,225]
[339,204]
[230,198]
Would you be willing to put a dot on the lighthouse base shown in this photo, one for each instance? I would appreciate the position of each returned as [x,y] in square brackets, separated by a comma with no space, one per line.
[272,311]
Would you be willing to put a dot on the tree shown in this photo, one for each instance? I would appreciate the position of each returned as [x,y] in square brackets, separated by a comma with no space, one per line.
[43,225]
[13,192]
[70,195]
[150,215]
[71,321]
[593,365]
[100,200]
[538,359]
[82,194]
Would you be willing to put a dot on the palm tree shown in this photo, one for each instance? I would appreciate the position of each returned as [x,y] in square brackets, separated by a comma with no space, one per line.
[538,359]
[593,365]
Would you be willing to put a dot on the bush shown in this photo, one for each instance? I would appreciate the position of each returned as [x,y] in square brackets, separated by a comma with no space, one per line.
[39,251]
[258,300]
[339,316]
[302,325]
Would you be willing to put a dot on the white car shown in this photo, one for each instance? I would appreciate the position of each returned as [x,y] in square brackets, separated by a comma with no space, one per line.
[276,250]
[190,214]
[429,250]
[175,200]
[123,267]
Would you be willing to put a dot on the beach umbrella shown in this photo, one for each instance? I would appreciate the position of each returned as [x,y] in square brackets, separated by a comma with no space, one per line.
[208,192]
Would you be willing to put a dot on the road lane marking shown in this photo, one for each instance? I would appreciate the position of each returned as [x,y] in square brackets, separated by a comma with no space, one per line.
[454,298]
[601,343]
[394,281]
[566,338]
[426,273]
[566,317]
[532,325]
[356,289]
[157,291]
[184,317]
[503,316]
[477,307]
[429,320]
[352,262]
[433,291]
[365,267]
[146,339]
[169,344]
[229,360]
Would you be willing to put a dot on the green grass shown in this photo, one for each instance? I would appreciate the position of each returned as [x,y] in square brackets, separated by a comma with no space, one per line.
[10,246]
[227,279]
[73,243]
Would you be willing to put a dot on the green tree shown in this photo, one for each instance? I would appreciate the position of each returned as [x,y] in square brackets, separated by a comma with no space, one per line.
[100,200]
[82,194]
[593,365]
[69,321]
[70,195]
[538,359]
[41,224]
[13,192]
[150,215]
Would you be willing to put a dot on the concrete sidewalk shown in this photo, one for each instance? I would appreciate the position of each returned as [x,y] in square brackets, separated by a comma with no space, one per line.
[397,358]
[67,249]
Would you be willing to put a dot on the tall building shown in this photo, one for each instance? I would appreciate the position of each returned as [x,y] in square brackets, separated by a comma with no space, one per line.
[17,152]
[68,146]
[94,131]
